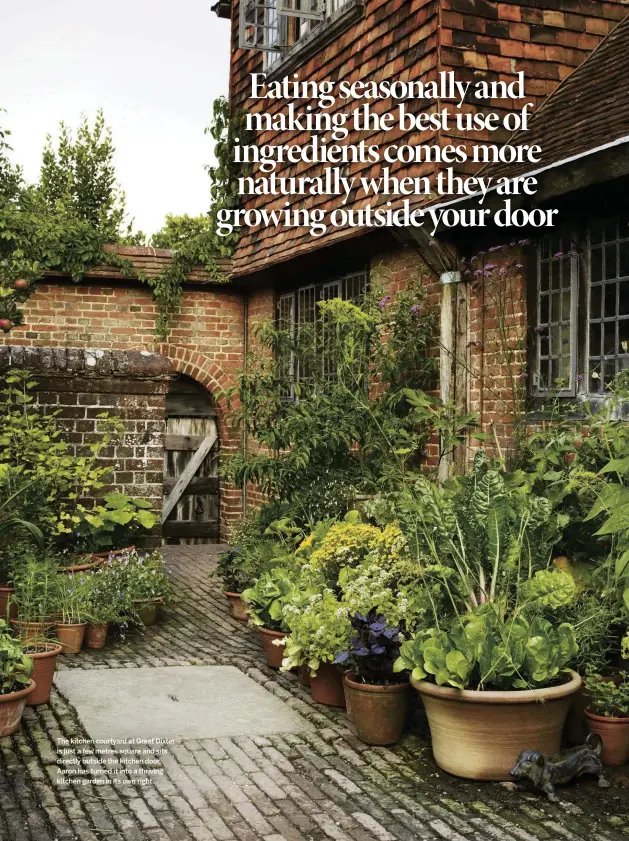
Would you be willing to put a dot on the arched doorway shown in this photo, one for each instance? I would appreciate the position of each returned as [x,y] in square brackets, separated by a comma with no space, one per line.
[191,483]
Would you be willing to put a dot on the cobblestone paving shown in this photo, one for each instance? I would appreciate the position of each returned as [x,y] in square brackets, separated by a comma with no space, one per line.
[312,786]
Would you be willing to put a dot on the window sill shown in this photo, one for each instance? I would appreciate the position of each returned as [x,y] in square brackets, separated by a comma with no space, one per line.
[311,44]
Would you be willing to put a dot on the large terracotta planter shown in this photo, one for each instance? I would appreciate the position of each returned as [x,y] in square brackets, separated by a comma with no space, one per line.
[237,608]
[96,635]
[11,709]
[148,612]
[84,565]
[8,608]
[71,636]
[326,686]
[479,735]
[614,733]
[378,712]
[44,663]
[274,653]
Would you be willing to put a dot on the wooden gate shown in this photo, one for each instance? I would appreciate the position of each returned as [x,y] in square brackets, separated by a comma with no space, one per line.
[190,512]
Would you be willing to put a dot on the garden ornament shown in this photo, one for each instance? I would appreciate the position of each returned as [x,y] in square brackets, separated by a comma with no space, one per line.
[546,772]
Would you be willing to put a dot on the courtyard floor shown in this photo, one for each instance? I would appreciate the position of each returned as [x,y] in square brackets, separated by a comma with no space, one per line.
[311,781]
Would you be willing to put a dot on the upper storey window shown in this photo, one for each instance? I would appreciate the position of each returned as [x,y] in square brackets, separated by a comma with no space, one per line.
[281,28]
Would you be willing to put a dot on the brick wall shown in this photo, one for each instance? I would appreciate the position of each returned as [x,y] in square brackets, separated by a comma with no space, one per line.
[82,385]
[111,313]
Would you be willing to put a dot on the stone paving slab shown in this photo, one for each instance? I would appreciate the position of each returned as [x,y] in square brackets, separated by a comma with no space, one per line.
[312,785]
[174,702]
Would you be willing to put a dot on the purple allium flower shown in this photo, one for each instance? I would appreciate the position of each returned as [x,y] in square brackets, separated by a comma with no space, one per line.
[490,267]
[519,266]
[502,271]
[523,375]
[539,329]
[579,378]
[382,303]
[478,272]
[558,255]
[415,309]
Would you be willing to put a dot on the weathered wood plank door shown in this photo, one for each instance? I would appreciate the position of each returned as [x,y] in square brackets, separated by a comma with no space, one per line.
[191,483]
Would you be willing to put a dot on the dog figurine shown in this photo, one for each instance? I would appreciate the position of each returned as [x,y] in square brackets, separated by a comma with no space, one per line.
[546,772]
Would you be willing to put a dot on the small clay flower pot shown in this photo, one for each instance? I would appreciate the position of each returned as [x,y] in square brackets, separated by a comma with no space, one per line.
[71,637]
[326,686]
[378,712]
[30,633]
[237,608]
[8,608]
[44,663]
[148,612]
[96,635]
[614,733]
[11,709]
[274,653]
[304,675]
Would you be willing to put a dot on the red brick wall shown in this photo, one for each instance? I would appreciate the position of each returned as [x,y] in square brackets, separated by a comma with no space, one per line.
[416,39]
[206,342]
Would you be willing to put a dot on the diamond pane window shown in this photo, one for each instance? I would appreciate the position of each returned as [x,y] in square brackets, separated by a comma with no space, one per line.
[555,326]
[608,318]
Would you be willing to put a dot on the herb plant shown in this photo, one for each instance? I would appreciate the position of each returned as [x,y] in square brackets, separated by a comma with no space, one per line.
[15,666]
[607,697]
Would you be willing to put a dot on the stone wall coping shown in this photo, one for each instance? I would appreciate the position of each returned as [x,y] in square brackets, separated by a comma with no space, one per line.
[86,362]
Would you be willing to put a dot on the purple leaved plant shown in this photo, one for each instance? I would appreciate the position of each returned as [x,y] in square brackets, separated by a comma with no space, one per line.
[373,650]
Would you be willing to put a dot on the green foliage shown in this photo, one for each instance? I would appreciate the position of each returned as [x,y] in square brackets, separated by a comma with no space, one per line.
[336,427]
[106,602]
[319,630]
[268,596]
[114,525]
[550,588]
[484,651]
[608,697]
[15,667]
[62,223]
[71,597]
[140,578]
[35,579]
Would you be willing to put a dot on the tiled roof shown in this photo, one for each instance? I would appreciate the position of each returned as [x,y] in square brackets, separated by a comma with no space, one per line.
[588,110]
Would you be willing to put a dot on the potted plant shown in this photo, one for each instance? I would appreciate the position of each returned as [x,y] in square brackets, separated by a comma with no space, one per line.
[235,573]
[44,655]
[608,716]
[141,578]
[15,682]
[319,630]
[34,581]
[492,664]
[105,605]
[266,601]
[375,694]
[71,594]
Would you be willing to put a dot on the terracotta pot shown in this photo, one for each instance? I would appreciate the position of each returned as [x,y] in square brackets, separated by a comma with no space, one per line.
[44,663]
[479,735]
[11,709]
[378,712]
[304,675]
[7,611]
[148,612]
[348,699]
[71,636]
[576,729]
[274,653]
[614,733]
[327,686]
[72,569]
[99,557]
[30,633]
[96,635]
[237,608]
